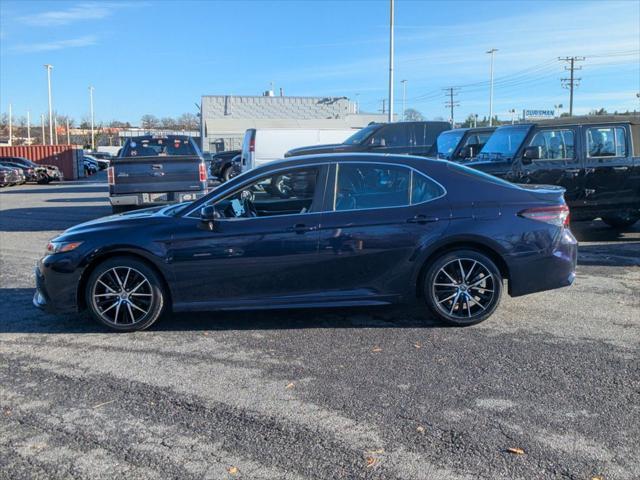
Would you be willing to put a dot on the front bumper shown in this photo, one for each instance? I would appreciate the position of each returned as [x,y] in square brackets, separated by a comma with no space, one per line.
[545,270]
[56,286]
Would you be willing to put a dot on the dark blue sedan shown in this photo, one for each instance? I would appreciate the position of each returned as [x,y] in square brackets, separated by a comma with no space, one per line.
[326,230]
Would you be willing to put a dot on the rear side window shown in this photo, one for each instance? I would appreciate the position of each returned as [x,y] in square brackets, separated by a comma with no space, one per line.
[555,144]
[394,135]
[606,142]
[363,186]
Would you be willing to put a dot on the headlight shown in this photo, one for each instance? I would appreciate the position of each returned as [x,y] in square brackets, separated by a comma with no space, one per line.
[59,247]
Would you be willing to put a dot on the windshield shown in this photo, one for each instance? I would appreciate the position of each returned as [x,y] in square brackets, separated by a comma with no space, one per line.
[447,143]
[504,143]
[360,135]
[158,147]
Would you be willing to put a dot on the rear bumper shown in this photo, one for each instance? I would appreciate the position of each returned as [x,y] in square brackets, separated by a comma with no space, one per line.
[147,199]
[545,270]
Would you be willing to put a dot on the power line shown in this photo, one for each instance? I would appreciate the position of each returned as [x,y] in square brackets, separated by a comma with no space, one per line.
[571,82]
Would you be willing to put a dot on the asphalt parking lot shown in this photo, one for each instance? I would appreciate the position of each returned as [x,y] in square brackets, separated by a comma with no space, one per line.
[353,393]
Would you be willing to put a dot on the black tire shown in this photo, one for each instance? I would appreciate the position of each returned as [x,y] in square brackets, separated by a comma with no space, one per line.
[227,173]
[143,292]
[621,220]
[478,295]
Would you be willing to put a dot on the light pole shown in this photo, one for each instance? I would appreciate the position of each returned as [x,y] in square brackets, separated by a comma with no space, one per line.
[557,107]
[93,138]
[44,138]
[49,67]
[491,52]
[513,115]
[404,99]
[390,118]
[357,104]
[10,126]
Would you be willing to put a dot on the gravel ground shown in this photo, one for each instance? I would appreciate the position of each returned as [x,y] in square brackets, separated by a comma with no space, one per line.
[351,393]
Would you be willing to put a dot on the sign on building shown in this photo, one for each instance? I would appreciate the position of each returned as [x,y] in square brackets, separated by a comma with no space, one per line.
[538,114]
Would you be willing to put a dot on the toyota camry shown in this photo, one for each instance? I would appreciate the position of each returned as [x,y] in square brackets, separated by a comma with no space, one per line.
[324,230]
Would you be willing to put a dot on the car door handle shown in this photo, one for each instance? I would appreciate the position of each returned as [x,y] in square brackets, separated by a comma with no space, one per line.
[422,219]
[301,228]
[620,169]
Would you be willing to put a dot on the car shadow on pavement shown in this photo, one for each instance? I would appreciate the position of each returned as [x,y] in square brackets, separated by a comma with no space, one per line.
[38,219]
[55,189]
[610,254]
[18,315]
[78,199]
[598,231]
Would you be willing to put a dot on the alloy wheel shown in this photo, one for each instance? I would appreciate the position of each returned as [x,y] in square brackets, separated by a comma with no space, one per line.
[463,288]
[122,296]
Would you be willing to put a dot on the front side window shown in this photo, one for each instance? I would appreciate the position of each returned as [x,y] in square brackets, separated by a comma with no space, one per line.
[554,144]
[447,143]
[606,142]
[363,186]
[280,193]
[394,135]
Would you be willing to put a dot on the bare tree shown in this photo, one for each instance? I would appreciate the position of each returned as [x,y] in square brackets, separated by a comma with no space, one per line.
[413,115]
[188,121]
[149,121]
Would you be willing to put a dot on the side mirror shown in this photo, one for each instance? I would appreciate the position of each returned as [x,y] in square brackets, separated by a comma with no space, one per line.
[208,217]
[530,154]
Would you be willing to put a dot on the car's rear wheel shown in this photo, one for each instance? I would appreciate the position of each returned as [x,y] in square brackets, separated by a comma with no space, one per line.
[227,173]
[462,287]
[125,294]
[622,219]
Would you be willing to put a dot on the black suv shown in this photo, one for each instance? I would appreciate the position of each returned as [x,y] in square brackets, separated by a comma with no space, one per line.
[412,138]
[595,158]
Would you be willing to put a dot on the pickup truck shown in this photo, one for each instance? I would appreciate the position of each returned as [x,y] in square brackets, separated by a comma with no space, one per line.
[462,144]
[595,158]
[411,138]
[156,170]
[221,164]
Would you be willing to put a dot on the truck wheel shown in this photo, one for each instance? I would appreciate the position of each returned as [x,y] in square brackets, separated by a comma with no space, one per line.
[227,173]
[125,294]
[462,287]
[621,220]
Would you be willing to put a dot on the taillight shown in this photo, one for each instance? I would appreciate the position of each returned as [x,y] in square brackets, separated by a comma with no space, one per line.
[556,215]
[111,179]
[203,172]
[252,144]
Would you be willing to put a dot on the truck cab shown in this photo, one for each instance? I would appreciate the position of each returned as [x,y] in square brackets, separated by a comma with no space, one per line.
[596,159]
[155,170]
[462,144]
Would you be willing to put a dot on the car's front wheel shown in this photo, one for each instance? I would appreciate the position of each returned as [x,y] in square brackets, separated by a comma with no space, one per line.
[125,294]
[462,287]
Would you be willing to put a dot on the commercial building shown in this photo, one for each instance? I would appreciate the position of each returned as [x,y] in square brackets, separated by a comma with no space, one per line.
[225,118]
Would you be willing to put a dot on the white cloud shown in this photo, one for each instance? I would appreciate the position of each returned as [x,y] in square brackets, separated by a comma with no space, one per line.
[85,41]
[77,13]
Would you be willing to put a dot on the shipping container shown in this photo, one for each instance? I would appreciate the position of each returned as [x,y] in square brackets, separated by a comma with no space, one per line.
[68,158]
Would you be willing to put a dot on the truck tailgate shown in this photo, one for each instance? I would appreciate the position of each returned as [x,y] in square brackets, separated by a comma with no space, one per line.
[156,174]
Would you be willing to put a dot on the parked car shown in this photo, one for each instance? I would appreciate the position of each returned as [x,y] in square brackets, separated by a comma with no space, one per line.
[595,159]
[155,170]
[411,138]
[264,145]
[28,172]
[11,176]
[101,162]
[4,180]
[221,164]
[462,144]
[90,166]
[330,230]
[45,173]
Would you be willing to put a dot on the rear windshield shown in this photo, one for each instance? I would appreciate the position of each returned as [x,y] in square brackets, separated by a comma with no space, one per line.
[360,135]
[158,147]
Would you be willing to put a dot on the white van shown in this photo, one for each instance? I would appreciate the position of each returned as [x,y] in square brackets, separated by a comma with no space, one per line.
[262,145]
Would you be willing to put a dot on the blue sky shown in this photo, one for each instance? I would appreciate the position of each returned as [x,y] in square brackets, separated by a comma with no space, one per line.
[159,57]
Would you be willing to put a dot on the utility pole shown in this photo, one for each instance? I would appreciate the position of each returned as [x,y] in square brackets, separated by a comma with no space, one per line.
[391,62]
[28,127]
[10,126]
[384,103]
[404,99]
[49,67]
[357,105]
[452,92]
[68,133]
[571,82]
[93,137]
[491,52]
[44,140]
